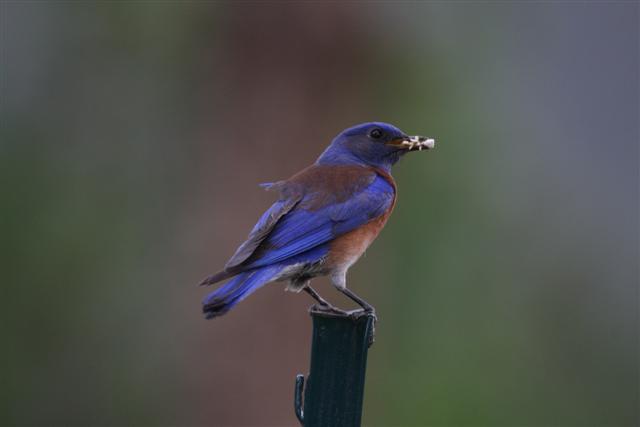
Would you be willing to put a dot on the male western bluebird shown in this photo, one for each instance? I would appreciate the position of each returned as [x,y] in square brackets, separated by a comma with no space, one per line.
[325,218]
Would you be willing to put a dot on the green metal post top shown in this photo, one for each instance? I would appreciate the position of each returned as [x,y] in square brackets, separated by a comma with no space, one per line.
[334,389]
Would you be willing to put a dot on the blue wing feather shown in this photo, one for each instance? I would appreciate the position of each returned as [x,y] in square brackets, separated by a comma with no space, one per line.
[261,230]
[301,230]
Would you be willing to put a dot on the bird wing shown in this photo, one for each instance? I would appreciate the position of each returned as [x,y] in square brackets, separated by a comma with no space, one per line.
[320,207]
[261,230]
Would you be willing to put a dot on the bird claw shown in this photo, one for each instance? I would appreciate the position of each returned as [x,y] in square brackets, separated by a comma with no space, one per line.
[360,312]
[357,314]
[327,308]
[354,315]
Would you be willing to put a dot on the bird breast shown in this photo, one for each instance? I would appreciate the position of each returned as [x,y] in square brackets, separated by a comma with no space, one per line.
[348,248]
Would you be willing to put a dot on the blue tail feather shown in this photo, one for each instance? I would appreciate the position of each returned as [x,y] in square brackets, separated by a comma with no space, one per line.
[231,293]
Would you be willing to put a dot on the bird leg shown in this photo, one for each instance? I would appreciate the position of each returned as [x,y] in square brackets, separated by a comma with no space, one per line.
[368,308]
[324,304]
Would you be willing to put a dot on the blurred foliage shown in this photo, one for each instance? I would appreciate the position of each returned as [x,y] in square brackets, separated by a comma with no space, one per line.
[133,135]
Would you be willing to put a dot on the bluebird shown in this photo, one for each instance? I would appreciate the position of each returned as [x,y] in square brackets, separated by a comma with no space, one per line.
[325,217]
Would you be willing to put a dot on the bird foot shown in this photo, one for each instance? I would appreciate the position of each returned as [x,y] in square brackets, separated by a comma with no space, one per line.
[354,315]
[360,312]
[327,308]
[357,314]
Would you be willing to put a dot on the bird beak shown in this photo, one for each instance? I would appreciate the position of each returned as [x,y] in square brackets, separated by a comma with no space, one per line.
[413,143]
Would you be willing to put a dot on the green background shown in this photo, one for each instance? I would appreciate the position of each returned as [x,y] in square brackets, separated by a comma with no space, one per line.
[133,135]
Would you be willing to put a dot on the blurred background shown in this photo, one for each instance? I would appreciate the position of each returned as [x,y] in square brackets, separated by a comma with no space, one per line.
[134,135]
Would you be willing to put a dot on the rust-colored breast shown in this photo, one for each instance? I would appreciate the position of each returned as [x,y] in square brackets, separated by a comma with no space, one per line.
[348,248]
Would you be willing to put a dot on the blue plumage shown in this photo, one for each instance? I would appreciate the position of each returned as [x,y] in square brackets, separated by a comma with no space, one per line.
[324,219]
[303,229]
[226,297]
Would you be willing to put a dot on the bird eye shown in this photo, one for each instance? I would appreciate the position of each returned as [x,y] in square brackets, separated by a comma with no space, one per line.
[376,133]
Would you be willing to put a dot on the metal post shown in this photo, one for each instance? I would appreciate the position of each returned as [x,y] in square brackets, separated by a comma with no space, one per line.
[335,385]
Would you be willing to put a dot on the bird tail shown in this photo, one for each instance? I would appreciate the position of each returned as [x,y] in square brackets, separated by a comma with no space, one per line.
[218,277]
[231,293]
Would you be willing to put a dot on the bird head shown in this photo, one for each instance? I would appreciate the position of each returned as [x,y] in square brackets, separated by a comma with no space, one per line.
[373,144]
